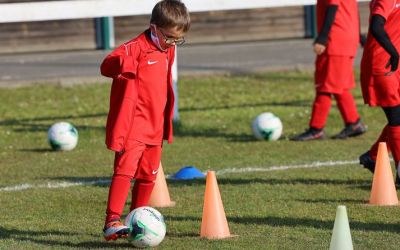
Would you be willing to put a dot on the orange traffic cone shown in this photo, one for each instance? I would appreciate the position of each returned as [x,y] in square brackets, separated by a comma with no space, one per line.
[213,224]
[160,195]
[383,191]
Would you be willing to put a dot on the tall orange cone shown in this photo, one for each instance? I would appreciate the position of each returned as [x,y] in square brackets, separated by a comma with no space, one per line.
[383,191]
[213,224]
[160,195]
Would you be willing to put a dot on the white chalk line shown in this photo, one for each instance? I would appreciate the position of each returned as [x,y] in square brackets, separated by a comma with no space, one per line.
[65,184]
[52,185]
[288,167]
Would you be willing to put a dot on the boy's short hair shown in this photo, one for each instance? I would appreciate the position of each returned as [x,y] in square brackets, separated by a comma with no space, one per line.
[170,14]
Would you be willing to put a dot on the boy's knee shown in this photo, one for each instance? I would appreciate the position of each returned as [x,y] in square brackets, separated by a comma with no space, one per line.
[122,176]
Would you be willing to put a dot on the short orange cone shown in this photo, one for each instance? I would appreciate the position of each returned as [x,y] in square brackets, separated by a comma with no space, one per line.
[383,191]
[160,195]
[213,224]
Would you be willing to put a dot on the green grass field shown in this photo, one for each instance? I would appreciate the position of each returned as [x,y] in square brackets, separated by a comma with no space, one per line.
[287,209]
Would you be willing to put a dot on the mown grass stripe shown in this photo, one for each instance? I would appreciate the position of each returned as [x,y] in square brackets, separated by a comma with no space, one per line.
[54,185]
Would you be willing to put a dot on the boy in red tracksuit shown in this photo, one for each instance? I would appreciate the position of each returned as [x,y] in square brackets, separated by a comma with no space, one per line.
[141,109]
[380,78]
[336,47]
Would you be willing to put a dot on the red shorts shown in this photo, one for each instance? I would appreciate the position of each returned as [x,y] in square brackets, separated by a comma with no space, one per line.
[140,161]
[334,74]
[380,90]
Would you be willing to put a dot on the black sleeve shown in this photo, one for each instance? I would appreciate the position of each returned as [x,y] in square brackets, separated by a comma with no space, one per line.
[363,38]
[377,29]
[326,27]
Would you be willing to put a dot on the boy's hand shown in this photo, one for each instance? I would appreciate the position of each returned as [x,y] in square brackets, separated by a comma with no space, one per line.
[393,63]
[319,48]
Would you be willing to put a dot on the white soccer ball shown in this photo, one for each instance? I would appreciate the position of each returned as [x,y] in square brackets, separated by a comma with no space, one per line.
[146,227]
[62,136]
[267,126]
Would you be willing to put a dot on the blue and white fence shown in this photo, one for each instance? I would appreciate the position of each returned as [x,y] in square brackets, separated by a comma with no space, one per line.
[105,10]
[59,10]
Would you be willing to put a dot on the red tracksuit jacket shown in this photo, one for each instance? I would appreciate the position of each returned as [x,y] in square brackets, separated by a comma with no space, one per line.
[127,66]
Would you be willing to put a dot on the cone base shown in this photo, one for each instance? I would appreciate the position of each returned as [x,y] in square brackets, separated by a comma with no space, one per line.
[220,238]
[381,205]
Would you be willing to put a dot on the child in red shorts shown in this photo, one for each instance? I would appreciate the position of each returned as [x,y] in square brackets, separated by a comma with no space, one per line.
[380,79]
[336,47]
[141,108]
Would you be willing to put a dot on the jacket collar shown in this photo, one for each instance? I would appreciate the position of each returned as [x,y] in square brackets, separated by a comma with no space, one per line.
[149,46]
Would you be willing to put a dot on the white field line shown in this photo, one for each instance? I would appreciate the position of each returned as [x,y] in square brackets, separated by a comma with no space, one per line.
[52,185]
[289,167]
[65,184]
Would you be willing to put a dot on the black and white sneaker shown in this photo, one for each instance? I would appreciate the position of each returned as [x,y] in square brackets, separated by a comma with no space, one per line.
[310,134]
[367,162]
[351,130]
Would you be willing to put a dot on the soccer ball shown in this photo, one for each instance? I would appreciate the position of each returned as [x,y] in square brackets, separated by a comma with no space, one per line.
[267,126]
[62,136]
[146,227]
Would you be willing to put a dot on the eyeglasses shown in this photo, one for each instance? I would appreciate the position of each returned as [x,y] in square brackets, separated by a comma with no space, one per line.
[170,40]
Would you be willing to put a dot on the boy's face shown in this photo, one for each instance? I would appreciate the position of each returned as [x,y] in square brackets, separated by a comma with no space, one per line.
[168,37]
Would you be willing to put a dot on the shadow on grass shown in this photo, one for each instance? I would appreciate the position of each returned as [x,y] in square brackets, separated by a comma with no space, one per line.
[213,133]
[30,125]
[105,182]
[273,181]
[18,235]
[274,221]
[11,122]
[296,103]
[37,150]
[335,201]
[36,124]
[319,224]
[182,131]
[182,234]
[8,233]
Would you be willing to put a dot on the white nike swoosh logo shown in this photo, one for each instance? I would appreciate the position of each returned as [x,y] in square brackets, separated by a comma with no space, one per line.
[151,62]
[155,171]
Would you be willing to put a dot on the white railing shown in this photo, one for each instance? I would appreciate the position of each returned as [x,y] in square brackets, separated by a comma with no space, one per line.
[59,10]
